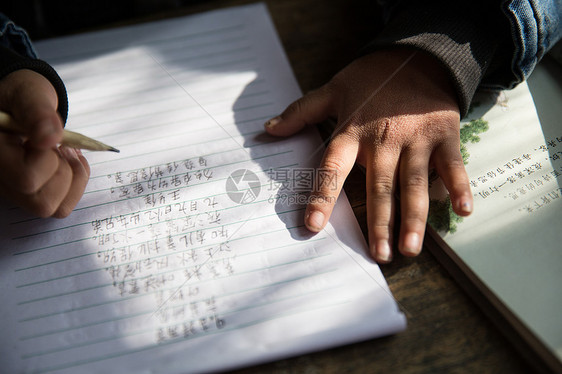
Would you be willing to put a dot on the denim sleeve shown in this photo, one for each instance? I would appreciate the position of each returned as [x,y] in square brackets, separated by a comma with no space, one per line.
[535,28]
[16,53]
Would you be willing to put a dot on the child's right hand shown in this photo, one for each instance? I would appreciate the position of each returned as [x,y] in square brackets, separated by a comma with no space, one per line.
[34,173]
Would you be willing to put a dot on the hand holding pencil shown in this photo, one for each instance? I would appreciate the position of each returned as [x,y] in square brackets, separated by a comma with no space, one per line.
[43,174]
[69,138]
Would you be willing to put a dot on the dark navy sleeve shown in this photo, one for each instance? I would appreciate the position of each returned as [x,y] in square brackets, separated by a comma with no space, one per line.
[16,53]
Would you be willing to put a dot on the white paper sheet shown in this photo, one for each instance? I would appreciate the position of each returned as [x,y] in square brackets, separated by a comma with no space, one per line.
[160,269]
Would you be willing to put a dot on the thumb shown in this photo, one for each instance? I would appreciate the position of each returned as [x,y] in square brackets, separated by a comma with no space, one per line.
[33,104]
[312,108]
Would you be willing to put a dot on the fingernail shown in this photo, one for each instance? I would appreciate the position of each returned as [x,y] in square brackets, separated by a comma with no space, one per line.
[315,221]
[466,207]
[412,244]
[273,122]
[382,252]
[68,153]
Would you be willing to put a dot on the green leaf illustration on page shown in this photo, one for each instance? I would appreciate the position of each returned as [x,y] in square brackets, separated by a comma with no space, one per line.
[441,215]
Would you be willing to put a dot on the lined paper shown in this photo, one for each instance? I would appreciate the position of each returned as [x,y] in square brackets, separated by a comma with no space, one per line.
[188,251]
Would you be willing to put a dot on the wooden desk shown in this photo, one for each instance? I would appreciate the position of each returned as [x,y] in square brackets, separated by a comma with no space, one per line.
[446,332]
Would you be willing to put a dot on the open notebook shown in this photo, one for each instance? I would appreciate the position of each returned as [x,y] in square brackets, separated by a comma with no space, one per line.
[187,252]
[508,253]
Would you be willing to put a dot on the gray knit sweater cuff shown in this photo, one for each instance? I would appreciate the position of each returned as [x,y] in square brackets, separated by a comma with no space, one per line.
[463,40]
